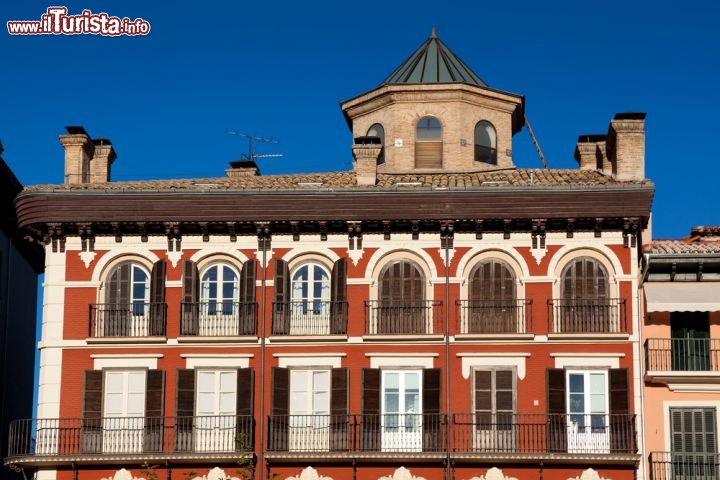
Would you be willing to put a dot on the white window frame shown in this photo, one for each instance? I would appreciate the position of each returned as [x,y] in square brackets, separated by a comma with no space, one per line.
[123,429]
[309,426]
[583,438]
[216,432]
[403,433]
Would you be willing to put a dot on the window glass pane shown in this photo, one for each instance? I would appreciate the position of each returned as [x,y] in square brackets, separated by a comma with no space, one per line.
[597,403]
[113,382]
[392,381]
[321,403]
[577,403]
[321,380]
[205,381]
[228,381]
[392,402]
[227,403]
[597,383]
[428,128]
[136,382]
[577,382]
[113,404]
[412,381]
[210,274]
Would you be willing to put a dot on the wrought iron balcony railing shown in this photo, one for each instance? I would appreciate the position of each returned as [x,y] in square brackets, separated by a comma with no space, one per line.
[684,466]
[218,318]
[682,354]
[582,315]
[136,319]
[538,433]
[55,437]
[494,316]
[309,317]
[355,433]
[403,318]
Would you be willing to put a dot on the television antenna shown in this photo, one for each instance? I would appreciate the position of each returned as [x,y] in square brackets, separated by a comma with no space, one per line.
[252,154]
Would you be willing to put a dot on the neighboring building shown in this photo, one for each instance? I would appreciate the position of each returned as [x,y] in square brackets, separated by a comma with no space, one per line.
[20,264]
[436,312]
[682,355]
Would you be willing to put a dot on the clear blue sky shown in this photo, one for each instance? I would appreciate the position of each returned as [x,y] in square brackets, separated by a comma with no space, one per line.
[279,69]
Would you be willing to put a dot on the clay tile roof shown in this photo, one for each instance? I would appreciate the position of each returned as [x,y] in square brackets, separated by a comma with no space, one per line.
[702,241]
[347,180]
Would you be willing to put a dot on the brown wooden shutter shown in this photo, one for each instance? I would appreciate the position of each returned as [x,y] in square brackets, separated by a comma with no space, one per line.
[245,401]
[281,311]
[622,426]
[117,307]
[185,409]
[338,298]
[248,302]
[431,400]
[370,422]
[91,434]
[190,322]
[556,408]
[279,410]
[339,420]
[154,403]
[428,154]
[157,298]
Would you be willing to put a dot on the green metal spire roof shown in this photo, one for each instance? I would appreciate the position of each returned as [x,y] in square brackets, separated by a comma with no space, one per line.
[433,62]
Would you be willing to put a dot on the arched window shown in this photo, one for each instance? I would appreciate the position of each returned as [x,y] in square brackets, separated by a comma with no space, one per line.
[218,300]
[492,304]
[127,297]
[401,301]
[485,143]
[377,130]
[585,306]
[428,143]
[310,299]
[310,296]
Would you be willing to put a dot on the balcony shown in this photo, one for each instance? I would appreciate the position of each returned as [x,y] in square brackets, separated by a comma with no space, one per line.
[682,361]
[489,317]
[314,317]
[136,319]
[403,318]
[563,436]
[587,316]
[684,466]
[363,435]
[218,319]
[478,437]
[53,441]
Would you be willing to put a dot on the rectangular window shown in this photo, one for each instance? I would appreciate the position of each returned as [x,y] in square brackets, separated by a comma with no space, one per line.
[694,443]
[309,410]
[123,411]
[494,401]
[401,419]
[215,408]
[587,404]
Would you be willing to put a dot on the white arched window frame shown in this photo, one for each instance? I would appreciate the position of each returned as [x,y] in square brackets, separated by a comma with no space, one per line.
[219,286]
[428,143]
[377,130]
[485,143]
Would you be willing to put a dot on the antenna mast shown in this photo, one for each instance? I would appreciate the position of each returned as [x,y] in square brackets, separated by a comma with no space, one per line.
[251,153]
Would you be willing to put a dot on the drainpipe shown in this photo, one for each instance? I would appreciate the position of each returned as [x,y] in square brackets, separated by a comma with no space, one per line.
[447,359]
[263,296]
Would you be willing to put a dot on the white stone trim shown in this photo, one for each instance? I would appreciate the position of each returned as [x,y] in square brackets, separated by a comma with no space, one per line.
[471,360]
[494,473]
[408,359]
[142,255]
[500,251]
[401,473]
[309,473]
[234,360]
[323,359]
[131,360]
[581,360]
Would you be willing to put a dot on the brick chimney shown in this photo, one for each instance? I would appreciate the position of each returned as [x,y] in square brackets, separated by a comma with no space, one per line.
[366,151]
[588,153]
[86,160]
[243,168]
[626,146]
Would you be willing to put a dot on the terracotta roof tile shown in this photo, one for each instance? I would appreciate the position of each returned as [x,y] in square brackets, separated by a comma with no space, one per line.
[675,247]
[346,180]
